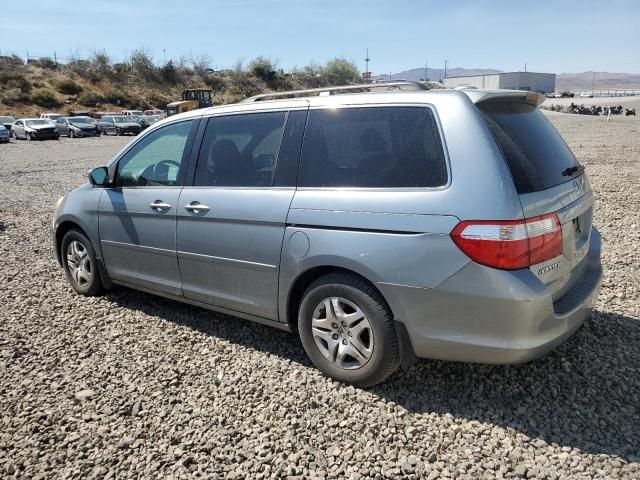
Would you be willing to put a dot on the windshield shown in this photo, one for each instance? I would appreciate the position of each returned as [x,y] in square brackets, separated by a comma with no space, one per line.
[122,119]
[536,154]
[80,120]
[54,116]
[32,123]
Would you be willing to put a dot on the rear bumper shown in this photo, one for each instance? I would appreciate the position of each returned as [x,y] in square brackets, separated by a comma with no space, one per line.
[485,315]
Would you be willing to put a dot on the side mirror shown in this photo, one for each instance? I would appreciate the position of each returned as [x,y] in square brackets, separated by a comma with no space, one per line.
[99,177]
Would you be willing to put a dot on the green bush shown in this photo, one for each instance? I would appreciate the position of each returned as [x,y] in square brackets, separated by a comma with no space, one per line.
[13,96]
[45,62]
[11,80]
[90,99]
[263,68]
[117,97]
[44,98]
[68,86]
[340,71]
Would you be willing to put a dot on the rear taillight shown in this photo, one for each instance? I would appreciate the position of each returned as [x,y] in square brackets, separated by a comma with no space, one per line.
[510,245]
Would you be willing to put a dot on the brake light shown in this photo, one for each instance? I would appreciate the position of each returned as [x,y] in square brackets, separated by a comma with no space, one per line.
[510,245]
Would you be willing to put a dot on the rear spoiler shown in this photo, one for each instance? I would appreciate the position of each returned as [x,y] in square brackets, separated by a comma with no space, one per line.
[479,96]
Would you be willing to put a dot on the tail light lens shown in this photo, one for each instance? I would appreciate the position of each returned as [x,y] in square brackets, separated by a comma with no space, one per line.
[510,245]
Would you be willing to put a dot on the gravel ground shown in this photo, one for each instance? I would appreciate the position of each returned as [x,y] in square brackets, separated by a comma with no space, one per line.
[132,386]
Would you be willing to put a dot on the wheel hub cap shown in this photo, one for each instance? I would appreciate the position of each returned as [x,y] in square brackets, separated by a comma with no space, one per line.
[79,263]
[342,333]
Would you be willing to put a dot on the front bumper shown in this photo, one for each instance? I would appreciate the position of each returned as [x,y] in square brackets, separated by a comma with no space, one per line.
[485,315]
[45,135]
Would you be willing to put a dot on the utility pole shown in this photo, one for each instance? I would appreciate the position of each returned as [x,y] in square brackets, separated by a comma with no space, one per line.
[593,84]
[426,71]
[525,66]
[366,61]
[445,68]
[55,58]
[164,56]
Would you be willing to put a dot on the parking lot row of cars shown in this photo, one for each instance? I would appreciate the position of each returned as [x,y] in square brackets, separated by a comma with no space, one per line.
[50,126]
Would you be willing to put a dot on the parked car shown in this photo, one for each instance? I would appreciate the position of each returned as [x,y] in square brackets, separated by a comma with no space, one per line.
[34,129]
[77,127]
[145,121]
[153,112]
[454,225]
[4,134]
[7,122]
[52,117]
[131,113]
[554,95]
[586,95]
[118,125]
[567,94]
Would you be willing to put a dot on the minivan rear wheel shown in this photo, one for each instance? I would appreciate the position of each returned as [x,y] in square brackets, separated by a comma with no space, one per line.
[80,264]
[348,331]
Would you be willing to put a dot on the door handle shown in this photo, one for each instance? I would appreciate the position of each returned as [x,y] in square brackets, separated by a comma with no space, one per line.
[159,206]
[197,207]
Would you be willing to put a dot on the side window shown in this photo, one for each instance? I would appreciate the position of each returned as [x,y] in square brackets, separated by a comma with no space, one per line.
[374,147]
[156,159]
[240,150]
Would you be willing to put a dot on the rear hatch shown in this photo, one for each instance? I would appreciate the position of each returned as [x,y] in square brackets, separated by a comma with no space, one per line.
[548,179]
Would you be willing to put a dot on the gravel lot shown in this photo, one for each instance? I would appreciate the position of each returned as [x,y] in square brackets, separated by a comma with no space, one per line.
[131,386]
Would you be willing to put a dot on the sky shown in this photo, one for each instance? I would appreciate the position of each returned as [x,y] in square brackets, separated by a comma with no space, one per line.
[550,36]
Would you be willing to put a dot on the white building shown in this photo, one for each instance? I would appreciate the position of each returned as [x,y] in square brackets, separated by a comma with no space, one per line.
[529,81]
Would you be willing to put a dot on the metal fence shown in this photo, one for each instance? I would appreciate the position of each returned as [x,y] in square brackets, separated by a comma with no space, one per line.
[609,93]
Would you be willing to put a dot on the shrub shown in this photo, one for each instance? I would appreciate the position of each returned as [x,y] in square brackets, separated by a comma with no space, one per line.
[341,72]
[217,83]
[15,80]
[44,98]
[45,62]
[263,68]
[13,96]
[169,73]
[90,99]
[68,86]
[117,97]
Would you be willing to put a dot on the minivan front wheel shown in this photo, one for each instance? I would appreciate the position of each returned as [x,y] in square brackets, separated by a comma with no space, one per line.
[348,331]
[80,264]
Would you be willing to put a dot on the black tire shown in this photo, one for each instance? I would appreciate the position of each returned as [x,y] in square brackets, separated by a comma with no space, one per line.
[89,288]
[385,356]
[71,134]
[27,136]
[119,132]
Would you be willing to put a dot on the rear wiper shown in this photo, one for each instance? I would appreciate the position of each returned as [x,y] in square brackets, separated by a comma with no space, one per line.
[569,172]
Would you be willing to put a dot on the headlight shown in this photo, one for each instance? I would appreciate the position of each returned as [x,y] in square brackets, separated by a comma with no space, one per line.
[59,201]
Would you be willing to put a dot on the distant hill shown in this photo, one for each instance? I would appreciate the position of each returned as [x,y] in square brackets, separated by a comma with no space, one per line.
[604,81]
[564,81]
[435,74]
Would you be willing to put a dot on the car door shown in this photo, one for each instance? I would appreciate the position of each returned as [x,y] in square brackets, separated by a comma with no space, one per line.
[231,222]
[62,125]
[137,216]
[18,129]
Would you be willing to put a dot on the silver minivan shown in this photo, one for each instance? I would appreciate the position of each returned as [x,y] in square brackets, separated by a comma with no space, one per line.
[380,226]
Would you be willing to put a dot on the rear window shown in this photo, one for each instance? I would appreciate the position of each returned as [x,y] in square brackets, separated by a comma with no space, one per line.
[534,150]
[373,147]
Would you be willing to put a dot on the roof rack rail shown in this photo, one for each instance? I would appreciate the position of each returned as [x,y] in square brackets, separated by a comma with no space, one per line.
[389,86]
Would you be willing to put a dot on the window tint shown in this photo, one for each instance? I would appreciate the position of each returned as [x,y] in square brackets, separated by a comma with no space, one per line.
[375,147]
[156,159]
[533,149]
[240,150]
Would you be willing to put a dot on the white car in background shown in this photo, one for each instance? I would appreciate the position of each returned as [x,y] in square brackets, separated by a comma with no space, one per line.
[52,117]
[586,95]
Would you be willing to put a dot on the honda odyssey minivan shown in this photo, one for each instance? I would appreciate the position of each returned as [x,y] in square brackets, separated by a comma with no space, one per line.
[379,226]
